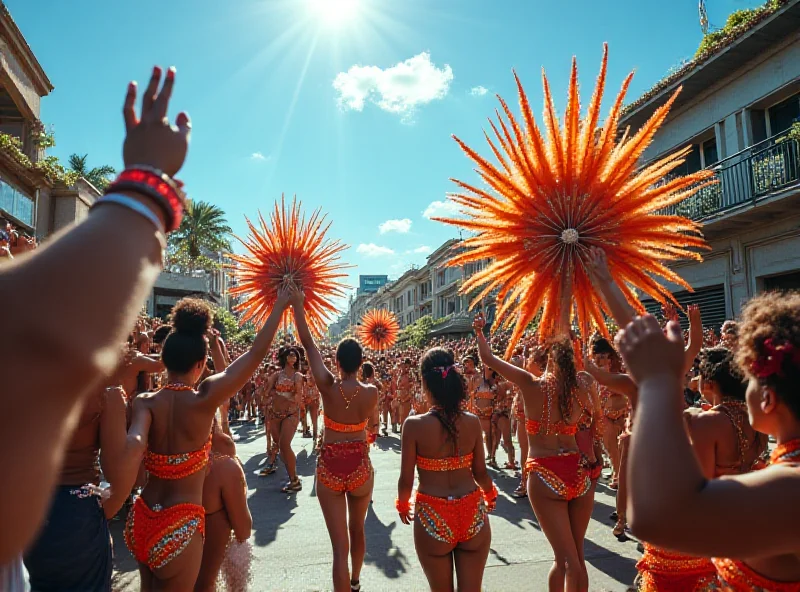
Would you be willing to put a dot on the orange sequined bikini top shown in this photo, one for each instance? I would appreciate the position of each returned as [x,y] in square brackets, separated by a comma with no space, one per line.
[344,428]
[545,427]
[450,463]
[177,466]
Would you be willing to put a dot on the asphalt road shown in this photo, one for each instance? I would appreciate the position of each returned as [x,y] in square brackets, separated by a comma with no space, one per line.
[292,549]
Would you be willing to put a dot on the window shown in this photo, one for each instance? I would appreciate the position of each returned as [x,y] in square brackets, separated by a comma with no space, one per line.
[783,115]
[16,203]
[711,300]
[692,163]
[710,155]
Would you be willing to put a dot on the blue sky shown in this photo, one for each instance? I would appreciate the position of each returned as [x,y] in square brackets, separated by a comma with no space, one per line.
[349,108]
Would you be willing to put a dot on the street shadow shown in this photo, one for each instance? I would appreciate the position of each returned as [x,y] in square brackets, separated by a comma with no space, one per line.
[516,511]
[269,506]
[247,431]
[123,560]
[616,566]
[389,443]
[381,552]
[306,463]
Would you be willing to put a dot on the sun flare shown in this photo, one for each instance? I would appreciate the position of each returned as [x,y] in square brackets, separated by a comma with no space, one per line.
[333,13]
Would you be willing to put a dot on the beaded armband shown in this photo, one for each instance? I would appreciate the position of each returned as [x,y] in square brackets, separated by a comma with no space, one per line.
[155,184]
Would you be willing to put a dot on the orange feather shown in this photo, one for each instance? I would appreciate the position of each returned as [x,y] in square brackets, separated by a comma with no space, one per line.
[378,330]
[288,249]
[556,194]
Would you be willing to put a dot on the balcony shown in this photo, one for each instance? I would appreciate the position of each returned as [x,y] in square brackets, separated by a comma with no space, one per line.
[745,179]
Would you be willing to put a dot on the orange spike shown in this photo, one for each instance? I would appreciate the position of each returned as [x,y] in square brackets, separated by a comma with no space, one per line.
[551,198]
[378,330]
[288,248]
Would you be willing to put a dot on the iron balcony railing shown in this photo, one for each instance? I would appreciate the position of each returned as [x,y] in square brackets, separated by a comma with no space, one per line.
[744,178]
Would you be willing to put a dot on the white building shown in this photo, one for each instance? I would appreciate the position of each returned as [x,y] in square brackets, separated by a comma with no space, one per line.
[735,110]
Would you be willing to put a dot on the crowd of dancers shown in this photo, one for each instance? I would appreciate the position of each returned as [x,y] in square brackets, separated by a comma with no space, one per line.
[695,478]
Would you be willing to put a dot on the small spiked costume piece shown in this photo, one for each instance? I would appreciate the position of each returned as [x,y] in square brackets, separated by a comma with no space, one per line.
[553,195]
[378,330]
[288,249]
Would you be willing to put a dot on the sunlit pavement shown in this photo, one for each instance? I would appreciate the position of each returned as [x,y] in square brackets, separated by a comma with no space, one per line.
[292,549]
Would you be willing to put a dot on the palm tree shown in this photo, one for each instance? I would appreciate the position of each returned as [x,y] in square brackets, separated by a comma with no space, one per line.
[203,233]
[98,176]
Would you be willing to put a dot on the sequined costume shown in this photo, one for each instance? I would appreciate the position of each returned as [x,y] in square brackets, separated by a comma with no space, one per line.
[344,466]
[155,536]
[736,576]
[665,571]
[661,569]
[286,389]
[564,474]
[446,519]
[483,393]
[585,438]
[451,520]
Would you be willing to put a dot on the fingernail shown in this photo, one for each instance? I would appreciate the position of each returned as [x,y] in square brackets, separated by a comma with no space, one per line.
[156,71]
[171,72]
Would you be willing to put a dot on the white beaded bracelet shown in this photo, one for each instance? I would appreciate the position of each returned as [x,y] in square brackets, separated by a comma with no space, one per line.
[133,205]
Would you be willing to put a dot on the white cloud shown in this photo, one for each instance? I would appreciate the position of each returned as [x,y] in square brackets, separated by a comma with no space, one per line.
[398,89]
[373,250]
[258,156]
[423,250]
[478,91]
[401,226]
[438,209]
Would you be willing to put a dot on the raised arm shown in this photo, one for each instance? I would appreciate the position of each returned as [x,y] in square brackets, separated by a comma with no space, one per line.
[670,482]
[60,339]
[620,309]
[322,376]
[113,438]
[695,337]
[508,371]
[219,387]
[622,384]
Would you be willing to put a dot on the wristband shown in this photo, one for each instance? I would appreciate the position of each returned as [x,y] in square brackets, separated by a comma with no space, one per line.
[133,205]
[402,507]
[490,498]
[154,184]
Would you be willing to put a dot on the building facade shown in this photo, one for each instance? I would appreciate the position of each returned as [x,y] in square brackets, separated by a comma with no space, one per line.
[32,197]
[737,110]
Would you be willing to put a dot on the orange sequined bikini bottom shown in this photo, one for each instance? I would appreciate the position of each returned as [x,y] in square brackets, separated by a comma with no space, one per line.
[344,466]
[564,474]
[735,576]
[451,520]
[157,536]
[665,571]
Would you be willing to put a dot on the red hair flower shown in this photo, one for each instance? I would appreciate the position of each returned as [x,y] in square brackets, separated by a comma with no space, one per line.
[772,362]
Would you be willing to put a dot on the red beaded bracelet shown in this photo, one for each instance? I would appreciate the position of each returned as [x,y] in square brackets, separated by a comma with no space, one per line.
[490,498]
[402,507]
[155,184]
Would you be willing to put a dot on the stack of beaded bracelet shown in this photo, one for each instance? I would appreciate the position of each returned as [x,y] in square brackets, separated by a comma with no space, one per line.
[490,498]
[155,184]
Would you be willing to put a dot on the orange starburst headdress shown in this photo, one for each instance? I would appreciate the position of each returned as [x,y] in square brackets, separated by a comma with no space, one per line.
[288,249]
[378,329]
[551,199]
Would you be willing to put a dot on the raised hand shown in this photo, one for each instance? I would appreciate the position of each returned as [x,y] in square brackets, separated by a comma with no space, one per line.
[478,323]
[598,265]
[151,140]
[648,352]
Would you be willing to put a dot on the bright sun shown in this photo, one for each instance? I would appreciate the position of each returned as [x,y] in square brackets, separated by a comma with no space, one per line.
[333,13]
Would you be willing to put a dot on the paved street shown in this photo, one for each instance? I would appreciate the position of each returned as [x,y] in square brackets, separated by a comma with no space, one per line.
[293,551]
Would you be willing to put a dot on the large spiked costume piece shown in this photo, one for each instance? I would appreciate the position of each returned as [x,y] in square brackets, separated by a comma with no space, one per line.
[553,195]
[378,329]
[288,249]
